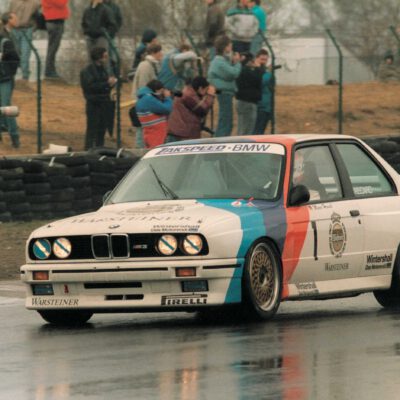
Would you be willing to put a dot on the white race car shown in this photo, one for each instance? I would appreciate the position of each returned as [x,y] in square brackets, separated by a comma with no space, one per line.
[243,221]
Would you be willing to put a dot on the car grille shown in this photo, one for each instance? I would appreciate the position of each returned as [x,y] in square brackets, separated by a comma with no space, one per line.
[114,246]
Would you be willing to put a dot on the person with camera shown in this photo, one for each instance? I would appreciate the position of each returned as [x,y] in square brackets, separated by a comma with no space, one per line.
[224,70]
[248,94]
[9,63]
[97,84]
[190,110]
[152,108]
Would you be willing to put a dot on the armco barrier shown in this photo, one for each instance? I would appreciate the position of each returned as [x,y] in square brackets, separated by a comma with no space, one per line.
[56,186]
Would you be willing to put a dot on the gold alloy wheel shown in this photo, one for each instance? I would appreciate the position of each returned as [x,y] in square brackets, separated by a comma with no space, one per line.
[264,277]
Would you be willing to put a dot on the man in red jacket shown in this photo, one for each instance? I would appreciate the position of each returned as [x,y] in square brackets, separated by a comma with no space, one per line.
[190,110]
[55,13]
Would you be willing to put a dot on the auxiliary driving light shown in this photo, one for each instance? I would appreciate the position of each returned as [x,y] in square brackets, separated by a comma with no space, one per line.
[167,245]
[62,248]
[192,244]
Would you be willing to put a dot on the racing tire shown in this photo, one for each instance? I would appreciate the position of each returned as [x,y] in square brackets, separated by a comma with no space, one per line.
[262,282]
[390,298]
[66,318]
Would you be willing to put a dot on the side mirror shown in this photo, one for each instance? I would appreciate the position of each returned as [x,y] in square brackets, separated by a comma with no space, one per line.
[106,196]
[299,195]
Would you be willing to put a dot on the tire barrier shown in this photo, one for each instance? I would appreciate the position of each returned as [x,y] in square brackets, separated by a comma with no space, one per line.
[46,187]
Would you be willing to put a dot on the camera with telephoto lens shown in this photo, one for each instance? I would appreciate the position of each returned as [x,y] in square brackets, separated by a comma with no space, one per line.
[277,67]
[9,111]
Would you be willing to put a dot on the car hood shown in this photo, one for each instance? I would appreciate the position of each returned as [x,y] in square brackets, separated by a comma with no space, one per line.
[178,216]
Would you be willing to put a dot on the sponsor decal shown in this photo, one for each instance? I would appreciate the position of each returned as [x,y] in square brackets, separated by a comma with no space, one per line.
[336,267]
[175,228]
[323,206]
[185,300]
[379,262]
[363,190]
[137,218]
[271,148]
[46,302]
[154,209]
[337,236]
[307,288]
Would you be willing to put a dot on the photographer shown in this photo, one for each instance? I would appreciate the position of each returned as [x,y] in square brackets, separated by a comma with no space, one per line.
[190,110]
[224,70]
[152,108]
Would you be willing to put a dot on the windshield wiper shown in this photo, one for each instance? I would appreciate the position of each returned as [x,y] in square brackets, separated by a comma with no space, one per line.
[166,190]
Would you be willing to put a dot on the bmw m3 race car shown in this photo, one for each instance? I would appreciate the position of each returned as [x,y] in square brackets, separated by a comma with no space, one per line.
[242,221]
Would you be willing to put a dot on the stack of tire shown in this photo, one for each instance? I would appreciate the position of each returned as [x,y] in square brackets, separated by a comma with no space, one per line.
[12,185]
[388,148]
[61,191]
[5,215]
[107,168]
[77,168]
[37,189]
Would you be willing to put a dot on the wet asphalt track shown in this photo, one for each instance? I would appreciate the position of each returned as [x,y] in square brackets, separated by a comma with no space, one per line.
[340,349]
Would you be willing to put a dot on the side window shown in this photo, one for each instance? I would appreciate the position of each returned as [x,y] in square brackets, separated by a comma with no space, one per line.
[314,168]
[366,177]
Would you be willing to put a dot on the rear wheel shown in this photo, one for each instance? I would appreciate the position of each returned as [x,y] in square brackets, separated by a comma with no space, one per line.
[262,281]
[66,318]
[390,298]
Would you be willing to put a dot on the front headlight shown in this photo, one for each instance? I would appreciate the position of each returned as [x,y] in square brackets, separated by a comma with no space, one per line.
[62,248]
[167,245]
[192,244]
[42,249]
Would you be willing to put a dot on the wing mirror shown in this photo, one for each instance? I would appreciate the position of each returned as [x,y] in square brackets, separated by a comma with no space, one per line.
[299,195]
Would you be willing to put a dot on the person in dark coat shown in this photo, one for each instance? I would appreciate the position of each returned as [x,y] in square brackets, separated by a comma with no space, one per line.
[190,110]
[215,25]
[96,19]
[248,95]
[96,85]
[9,63]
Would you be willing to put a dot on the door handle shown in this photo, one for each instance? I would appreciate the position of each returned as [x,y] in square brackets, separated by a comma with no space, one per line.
[354,213]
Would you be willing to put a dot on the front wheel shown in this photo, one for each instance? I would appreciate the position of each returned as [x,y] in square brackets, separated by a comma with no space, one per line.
[66,318]
[262,281]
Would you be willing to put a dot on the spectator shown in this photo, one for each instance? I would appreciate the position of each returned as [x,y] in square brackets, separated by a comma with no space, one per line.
[147,71]
[9,63]
[96,85]
[264,106]
[25,11]
[149,37]
[248,94]
[224,70]
[98,18]
[242,26]
[118,20]
[55,13]
[178,66]
[153,107]
[259,12]
[190,110]
[388,71]
[215,25]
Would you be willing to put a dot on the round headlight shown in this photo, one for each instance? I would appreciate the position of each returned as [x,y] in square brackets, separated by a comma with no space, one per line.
[62,248]
[42,249]
[192,244]
[167,245]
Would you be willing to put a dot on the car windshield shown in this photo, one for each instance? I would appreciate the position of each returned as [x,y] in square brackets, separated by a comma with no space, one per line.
[238,171]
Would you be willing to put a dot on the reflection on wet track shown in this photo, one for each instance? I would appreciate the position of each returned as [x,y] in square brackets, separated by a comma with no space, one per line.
[342,349]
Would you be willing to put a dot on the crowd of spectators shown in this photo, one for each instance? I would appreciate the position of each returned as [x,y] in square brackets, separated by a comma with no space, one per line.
[170,100]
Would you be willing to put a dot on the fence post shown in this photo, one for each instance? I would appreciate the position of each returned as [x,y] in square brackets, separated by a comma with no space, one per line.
[273,80]
[339,50]
[39,91]
[114,50]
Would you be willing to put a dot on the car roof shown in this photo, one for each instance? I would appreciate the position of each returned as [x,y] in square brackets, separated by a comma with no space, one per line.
[283,139]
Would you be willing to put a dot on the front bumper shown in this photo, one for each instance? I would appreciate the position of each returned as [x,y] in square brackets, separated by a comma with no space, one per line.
[133,286]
